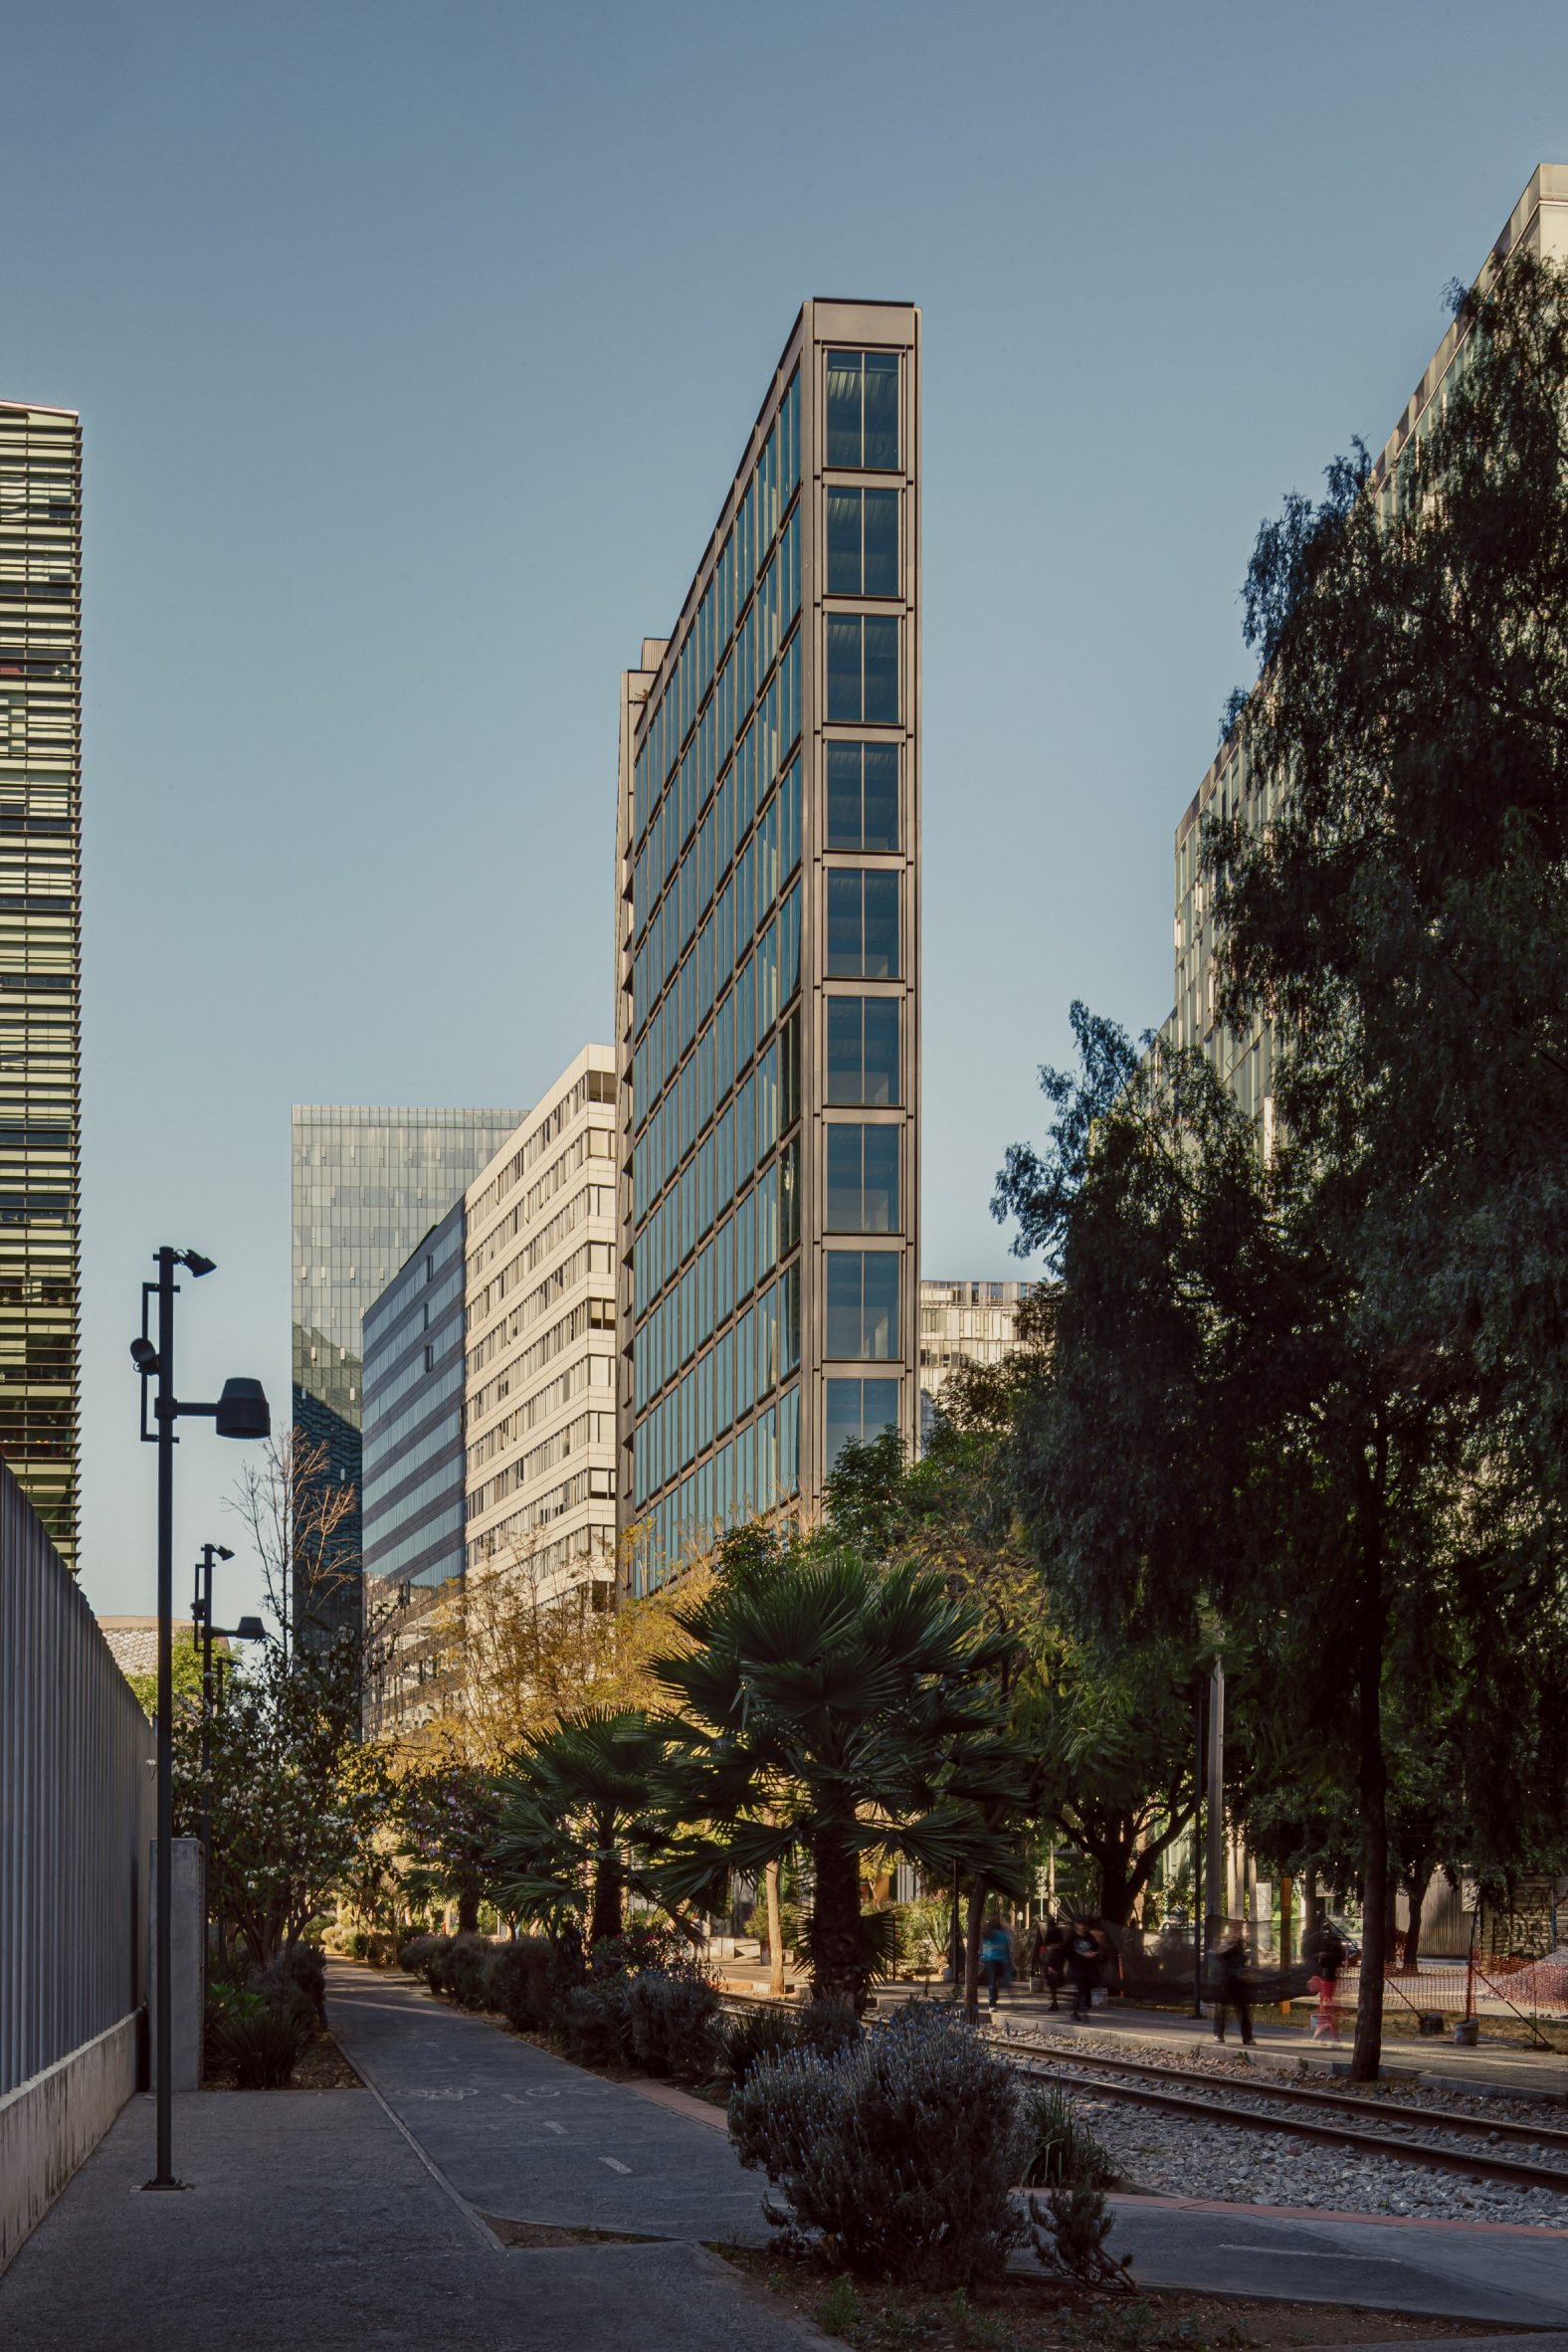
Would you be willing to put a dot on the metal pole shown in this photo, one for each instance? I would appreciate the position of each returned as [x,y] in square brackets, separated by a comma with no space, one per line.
[1197,1863]
[164,2019]
[1215,1871]
[207,1550]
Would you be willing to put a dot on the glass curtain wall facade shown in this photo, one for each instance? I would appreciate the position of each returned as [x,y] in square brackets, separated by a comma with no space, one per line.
[368,1183]
[1245,1059]
[768,962]
[540,1412]
[412,1467]
[41,958]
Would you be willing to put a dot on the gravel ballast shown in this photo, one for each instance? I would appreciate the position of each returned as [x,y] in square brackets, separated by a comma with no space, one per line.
[1172,2155]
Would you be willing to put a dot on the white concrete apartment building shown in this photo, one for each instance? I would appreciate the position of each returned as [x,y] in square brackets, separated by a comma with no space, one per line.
[539,1385]
[965,1323]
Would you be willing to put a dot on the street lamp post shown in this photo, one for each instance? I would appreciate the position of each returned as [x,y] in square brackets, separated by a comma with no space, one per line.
[240,1411]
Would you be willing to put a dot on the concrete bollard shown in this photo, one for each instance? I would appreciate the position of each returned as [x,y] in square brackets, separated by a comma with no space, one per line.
[188,1911]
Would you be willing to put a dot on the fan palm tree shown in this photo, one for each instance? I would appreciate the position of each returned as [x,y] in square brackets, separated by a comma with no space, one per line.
[574,1815]
[822,1711]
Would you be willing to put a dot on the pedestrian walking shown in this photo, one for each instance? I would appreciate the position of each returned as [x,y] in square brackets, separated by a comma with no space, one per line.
[996,1957]
[1233,1988]
[1328,1959]
[1083,1965]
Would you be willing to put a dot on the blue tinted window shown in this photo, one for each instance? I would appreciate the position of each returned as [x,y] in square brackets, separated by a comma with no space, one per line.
[863,542]
[858,1410]
[863,1179]
[862,924]
[862,796]
[881,670]
[863,1304]
[863,409]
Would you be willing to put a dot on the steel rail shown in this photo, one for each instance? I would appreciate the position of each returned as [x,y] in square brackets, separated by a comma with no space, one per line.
[1306,2095]
[1512,2170]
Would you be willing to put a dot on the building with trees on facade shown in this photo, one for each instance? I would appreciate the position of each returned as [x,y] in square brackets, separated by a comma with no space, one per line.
[41,959]
[767,1009]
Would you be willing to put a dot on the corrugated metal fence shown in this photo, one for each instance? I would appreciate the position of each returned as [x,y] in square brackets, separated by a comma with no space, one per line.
[76,1811]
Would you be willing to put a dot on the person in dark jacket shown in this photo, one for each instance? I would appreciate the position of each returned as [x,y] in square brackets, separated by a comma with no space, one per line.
[1232,1987]
[1083,1965]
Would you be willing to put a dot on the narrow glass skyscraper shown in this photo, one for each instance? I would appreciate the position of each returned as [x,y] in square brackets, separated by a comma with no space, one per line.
[40,956]
[768,964]
[368,1184]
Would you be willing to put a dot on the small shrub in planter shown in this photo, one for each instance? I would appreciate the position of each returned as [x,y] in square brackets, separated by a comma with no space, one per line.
[261,2039]
[594,2025]
[900,2148]
[671,2021]
[303,1968]
[517,1982]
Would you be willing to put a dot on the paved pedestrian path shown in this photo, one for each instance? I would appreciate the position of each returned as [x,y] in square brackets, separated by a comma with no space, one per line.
[319,2220]
[521,2134]
[1512,2276]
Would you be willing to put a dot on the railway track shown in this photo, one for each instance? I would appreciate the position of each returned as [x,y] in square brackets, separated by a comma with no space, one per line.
[1381,2127]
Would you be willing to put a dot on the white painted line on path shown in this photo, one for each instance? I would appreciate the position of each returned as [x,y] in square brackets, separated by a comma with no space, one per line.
[615,2164]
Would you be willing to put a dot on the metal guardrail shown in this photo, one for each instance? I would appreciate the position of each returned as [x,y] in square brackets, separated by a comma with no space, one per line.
[77,1804]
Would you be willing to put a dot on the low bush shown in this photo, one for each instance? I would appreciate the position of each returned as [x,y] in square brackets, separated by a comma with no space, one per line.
[827,2026]
[261,2039]
[301,1968]
[518,1981]
[1061,2153]
[464,1970]
[593,2023]
[901,2148]
[742,2038]
[415,1956]
[671,2022]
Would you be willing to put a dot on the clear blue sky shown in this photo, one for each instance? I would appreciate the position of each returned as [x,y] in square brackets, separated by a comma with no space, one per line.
[416,344]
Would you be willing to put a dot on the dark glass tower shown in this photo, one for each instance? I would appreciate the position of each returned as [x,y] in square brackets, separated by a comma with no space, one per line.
[368,1184]
[40,957]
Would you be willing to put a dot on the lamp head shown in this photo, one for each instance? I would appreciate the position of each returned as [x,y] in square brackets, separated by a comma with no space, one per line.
[250,1628]
[221,1551]
[242,1410]
[145,1356]
[195,1262]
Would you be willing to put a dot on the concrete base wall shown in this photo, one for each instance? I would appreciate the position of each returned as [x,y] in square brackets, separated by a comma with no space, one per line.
[51,2122]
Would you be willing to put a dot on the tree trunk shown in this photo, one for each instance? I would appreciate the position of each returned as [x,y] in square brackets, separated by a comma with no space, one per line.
[972,1952]
[1366,2056]
[467,1914]
[771,1881]
[1414,1887]
[609,1890]
[837,1957]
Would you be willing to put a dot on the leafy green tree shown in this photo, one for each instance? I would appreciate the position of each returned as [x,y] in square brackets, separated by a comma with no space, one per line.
[826,1710]
[185,1676]
[447,1819]
[1401,917]
[576,1812]
[297,1799]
